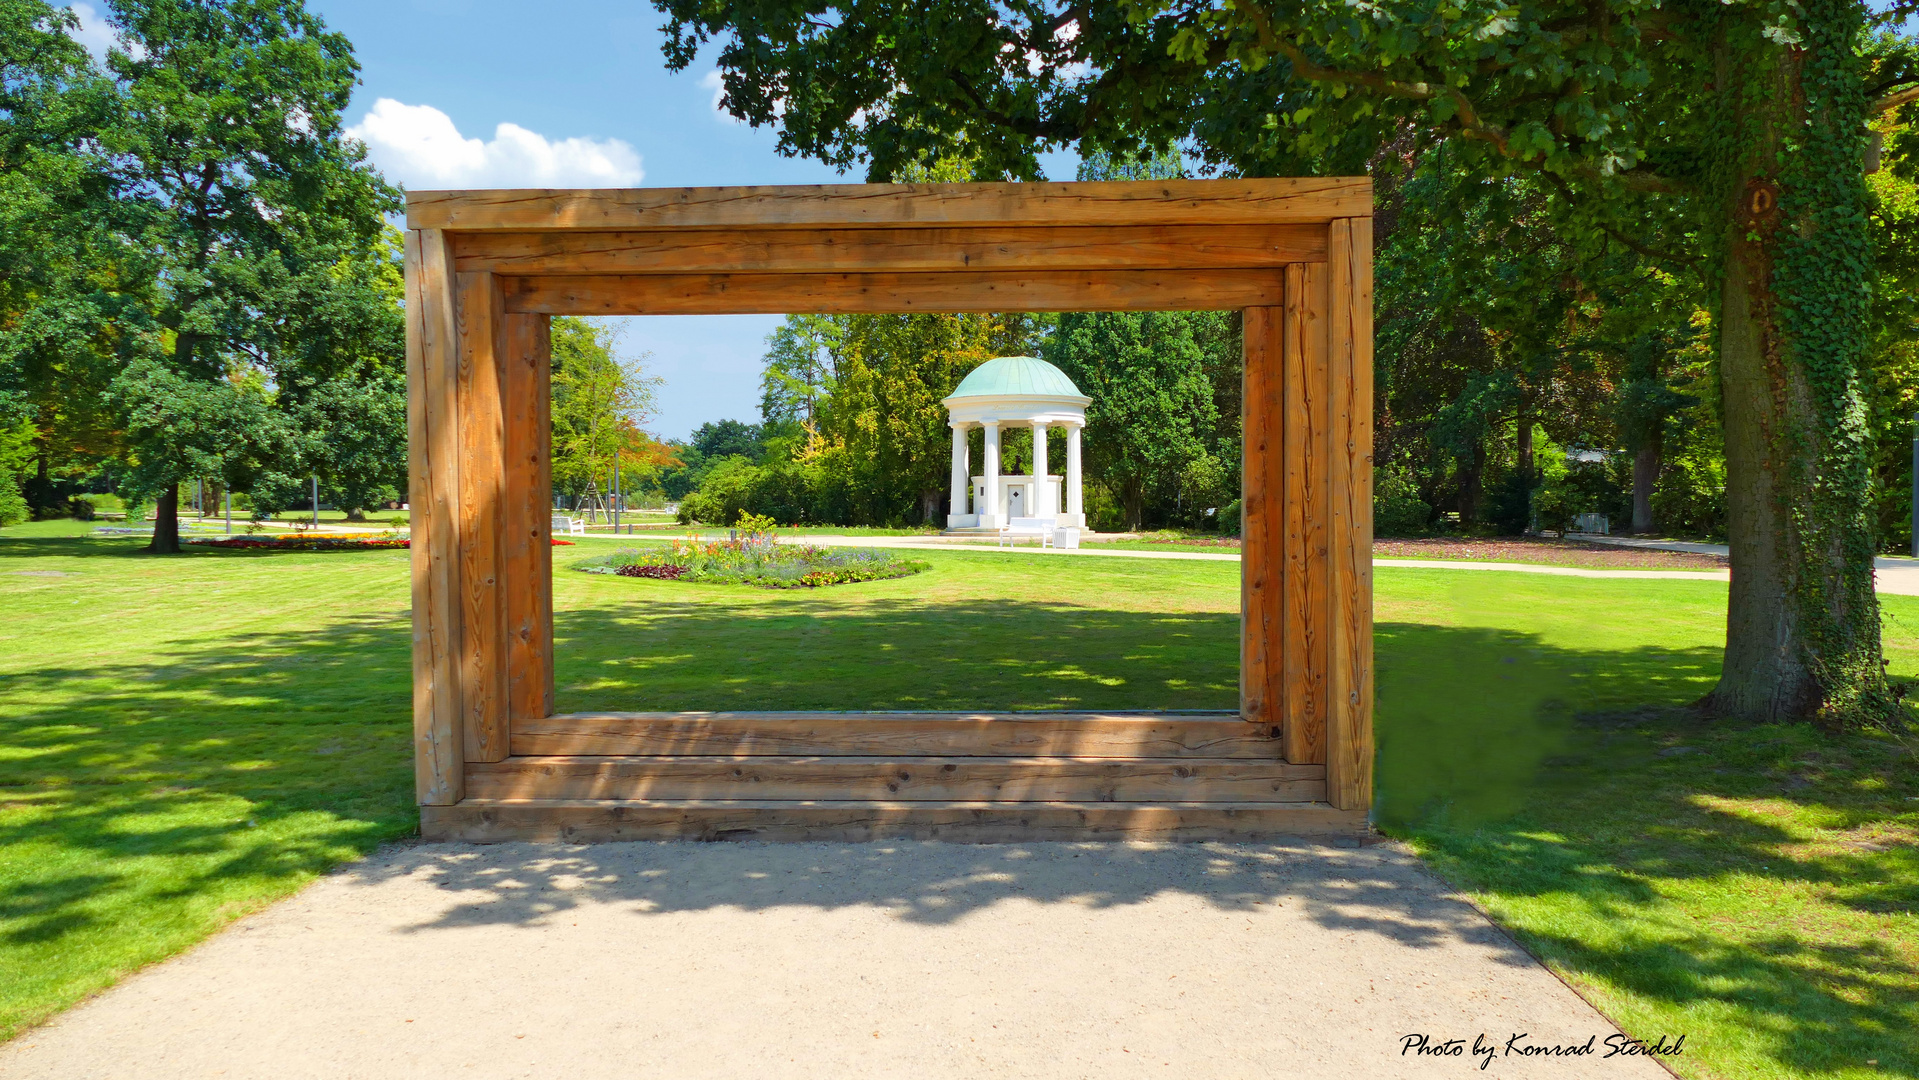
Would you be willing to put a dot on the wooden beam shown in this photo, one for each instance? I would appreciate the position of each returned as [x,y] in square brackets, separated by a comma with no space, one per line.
[584,821]
[433,471]
[1085,735]
[1138,202]
[741,294]
[1304,638]
[1262,512]
[482,469]
[900,250]
[526,549]
[1349,576]
[906,779]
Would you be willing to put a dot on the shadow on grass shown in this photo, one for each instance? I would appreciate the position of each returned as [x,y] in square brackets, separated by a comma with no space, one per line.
[217,770]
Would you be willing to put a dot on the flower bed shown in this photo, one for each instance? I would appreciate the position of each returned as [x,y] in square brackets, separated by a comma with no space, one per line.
[316,542]
[305,542]
[641,570]
[757,558]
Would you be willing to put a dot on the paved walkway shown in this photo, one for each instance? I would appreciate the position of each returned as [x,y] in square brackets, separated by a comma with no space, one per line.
[840,962]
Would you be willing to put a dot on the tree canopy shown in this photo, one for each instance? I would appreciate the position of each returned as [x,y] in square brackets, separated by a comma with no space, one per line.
[1726,142]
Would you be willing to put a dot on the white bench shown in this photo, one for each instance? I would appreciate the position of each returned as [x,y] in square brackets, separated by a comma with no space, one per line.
[568,526]
[1018,529]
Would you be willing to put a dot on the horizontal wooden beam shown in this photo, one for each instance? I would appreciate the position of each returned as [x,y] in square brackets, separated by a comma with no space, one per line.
[906,250]
[1135,202]
[579,821]
[857,294]
[907,779]
[1017,734]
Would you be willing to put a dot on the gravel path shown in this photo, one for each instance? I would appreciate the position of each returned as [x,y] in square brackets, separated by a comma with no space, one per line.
[841,962]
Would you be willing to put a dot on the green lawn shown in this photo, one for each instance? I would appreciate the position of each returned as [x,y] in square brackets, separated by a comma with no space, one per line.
[185,739]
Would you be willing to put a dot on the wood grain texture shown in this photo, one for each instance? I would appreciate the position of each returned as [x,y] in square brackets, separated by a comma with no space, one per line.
[879,293]
[915,779]
[1349,576]
[526,550]
[556,821]
[1087,735]
[1140,202]
[1262,508]
[895,249]
[433,470]
[1304,533]
[482,498]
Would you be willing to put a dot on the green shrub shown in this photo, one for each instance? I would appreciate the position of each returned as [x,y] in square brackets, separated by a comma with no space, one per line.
[1397,508]
[13,502]
[16,450]
[1230,523]
[1586,487]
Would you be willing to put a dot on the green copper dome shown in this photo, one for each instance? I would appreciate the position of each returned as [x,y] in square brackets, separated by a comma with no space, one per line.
[1016,376]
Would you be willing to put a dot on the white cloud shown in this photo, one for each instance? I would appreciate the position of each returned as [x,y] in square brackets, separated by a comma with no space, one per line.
[711,81]
[97,35]
[419,146]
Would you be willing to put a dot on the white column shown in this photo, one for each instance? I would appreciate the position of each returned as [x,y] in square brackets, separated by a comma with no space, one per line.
[989,511]
[1074,507]
[962,477]
[1040,492]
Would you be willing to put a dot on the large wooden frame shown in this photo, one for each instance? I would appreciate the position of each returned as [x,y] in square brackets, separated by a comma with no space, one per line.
[486,269]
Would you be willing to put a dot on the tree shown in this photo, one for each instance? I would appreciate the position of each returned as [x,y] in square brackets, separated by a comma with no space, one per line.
[600,401]
[66,279]
[729,438]
[883,427]
[802,367]
[1725,139]
[1152,408]
[247,196]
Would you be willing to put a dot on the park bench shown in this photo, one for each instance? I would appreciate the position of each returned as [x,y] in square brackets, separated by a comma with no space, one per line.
[568,526]
[1017,529]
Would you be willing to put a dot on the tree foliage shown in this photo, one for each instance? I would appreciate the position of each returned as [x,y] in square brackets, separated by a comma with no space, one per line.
[600,402]
[1723,141]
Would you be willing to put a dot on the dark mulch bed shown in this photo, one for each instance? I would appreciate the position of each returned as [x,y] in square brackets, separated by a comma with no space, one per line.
[1527,549]
[1531,549]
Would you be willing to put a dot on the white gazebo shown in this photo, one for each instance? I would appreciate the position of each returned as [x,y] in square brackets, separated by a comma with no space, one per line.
[1005,391]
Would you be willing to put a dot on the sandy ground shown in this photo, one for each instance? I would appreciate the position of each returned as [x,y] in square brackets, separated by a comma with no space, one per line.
[840,961]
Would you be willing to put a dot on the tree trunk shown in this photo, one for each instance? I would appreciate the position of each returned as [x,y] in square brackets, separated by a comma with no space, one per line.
[1469,477]
[1132,501]
[1802,620]
[1645,471]
[166,522]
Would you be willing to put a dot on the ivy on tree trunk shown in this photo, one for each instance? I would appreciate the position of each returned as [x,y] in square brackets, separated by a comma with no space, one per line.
[1795,284]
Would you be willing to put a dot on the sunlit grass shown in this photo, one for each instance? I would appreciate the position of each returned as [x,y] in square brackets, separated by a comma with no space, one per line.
[185,739]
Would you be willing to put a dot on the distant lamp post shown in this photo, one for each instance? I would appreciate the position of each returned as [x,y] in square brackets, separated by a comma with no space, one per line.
[316,502]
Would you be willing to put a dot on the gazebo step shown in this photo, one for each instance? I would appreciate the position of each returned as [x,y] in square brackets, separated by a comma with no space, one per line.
[905,734]
[478,820]
[902,779]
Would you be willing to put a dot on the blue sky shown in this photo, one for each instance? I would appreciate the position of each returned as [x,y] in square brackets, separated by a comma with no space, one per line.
[586,101]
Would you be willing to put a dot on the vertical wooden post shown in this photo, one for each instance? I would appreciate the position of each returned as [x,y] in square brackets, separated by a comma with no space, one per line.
[526,550]
[433,472]
[1304,638]
[1262,513]
[481,307]
[1349,729]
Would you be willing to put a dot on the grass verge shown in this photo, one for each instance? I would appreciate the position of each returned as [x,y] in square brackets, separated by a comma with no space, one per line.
[184,739]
